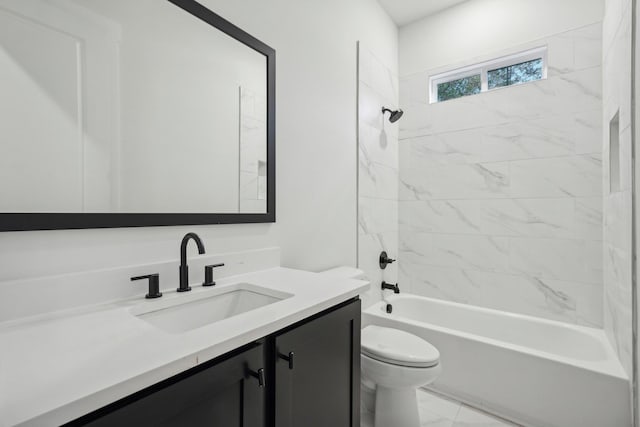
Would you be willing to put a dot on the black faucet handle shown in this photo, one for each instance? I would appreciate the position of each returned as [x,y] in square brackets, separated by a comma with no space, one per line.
[208,274]
[384,260]
[154,285]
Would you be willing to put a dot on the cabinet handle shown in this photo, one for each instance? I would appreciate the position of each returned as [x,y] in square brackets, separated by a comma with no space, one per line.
[259,375]
[288,358]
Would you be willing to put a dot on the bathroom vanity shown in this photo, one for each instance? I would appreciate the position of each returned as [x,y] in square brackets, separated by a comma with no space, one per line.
[290,359]
[306,374]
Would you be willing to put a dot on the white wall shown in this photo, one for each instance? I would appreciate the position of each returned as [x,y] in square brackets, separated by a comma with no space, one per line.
[58,133]
[480,27]
[50,172]
[183,155]
[316,150]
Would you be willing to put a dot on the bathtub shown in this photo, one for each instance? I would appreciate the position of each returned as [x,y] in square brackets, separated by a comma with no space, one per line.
[535,372]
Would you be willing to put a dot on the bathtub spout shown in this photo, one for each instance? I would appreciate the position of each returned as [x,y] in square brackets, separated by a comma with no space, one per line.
[394,288]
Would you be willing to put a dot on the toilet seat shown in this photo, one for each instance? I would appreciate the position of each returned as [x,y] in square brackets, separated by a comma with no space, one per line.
[398,347]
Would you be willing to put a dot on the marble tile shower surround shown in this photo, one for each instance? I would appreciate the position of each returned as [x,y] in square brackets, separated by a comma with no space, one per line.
[617,260]
[253,131]
[378,175]
[501,193]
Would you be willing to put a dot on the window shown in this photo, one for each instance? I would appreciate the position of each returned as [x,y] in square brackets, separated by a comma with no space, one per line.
[507,71]
[459,87]
[515,74]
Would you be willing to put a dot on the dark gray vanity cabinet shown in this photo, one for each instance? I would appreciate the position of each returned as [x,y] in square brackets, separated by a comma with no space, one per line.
[306,375]
[225,394]
[317,371]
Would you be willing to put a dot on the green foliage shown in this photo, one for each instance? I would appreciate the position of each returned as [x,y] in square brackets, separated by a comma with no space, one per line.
[460,87]
[515,74]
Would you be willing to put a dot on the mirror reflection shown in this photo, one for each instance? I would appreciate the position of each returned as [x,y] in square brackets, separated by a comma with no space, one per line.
[128,107]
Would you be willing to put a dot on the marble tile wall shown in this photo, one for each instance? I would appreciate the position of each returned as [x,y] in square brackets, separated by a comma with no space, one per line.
[501,193]
[617,204]
[377,171]
[253,152]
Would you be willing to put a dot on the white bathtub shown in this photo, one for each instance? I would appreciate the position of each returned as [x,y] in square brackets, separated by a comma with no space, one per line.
[535,372]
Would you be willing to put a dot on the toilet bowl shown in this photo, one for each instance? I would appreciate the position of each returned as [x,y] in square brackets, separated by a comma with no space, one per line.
[395,363]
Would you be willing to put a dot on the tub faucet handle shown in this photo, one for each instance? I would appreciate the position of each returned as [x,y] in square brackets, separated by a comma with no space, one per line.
[394,288]
[384,260]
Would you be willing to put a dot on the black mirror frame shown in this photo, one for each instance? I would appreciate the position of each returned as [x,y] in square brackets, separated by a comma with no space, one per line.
[59,221]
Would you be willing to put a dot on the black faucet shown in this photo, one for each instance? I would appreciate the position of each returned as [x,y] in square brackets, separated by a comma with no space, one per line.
[394,288]
[184,268]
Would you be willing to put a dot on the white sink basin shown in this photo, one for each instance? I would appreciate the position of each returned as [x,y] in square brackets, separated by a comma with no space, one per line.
[186,312]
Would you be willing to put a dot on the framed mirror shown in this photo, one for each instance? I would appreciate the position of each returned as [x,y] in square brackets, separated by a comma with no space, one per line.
[127,113]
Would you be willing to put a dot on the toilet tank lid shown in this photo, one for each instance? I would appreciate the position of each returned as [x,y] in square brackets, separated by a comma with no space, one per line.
[345,272]
[398,347]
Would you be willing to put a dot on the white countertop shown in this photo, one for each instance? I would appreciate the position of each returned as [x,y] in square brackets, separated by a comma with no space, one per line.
[57,367]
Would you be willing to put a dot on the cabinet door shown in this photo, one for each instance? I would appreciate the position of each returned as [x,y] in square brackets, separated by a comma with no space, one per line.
[223,395]
[321,386]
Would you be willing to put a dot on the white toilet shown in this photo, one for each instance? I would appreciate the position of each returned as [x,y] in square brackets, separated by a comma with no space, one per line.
[396,363]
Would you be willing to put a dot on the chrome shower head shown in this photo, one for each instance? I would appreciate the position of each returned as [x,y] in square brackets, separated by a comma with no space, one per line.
[395,114]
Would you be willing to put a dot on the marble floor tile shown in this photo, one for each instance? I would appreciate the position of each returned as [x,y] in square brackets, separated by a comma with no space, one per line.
[439,411]
[428,419]
[469,417]
[431,403]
